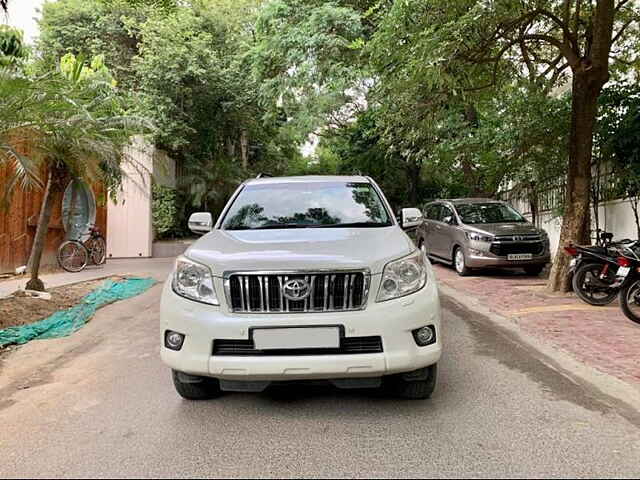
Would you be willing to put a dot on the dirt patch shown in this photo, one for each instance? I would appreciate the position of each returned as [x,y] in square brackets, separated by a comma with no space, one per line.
[21,310]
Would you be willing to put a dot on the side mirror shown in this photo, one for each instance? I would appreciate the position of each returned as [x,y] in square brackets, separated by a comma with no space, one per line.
[200,222]
[411,218]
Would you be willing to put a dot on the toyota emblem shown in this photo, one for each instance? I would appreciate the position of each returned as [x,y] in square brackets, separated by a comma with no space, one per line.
[296,289]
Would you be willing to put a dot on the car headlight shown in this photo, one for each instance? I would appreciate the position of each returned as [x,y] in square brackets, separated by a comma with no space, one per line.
[402,277]
[194,281]
[479,237]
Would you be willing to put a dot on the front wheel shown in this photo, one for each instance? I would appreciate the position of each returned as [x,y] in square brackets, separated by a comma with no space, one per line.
[72,256]
[592,289]
[630,300]
[460,262]
[418,385]
[195,388]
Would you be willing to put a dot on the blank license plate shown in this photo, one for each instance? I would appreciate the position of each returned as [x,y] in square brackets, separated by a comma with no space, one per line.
[520,256]
[284,338]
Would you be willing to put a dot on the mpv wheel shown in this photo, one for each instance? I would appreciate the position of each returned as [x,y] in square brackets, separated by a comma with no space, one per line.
[460,262]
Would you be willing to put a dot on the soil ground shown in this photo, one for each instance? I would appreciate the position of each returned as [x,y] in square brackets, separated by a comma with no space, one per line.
[22,310]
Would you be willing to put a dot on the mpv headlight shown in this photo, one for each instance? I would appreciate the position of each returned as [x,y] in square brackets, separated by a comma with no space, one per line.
[479,237]
[194,281]
[402,277]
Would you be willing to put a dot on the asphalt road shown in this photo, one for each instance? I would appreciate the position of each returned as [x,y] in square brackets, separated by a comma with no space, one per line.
[100,404]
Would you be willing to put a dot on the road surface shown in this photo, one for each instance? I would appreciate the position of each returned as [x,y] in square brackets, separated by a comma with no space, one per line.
[100,404]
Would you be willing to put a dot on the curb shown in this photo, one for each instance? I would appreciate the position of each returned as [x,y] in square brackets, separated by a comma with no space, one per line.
[558,360]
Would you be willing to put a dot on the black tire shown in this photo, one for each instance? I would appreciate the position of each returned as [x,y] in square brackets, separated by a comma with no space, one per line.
[463,270]
[72,256]
[630,294]
[97,250]
[586,293]
[397,386]
[533,270]
[197,388]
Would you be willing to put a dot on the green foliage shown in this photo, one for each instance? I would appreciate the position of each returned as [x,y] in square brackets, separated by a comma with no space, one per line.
[167,212]
[307,58]
[11,46]
[92,28]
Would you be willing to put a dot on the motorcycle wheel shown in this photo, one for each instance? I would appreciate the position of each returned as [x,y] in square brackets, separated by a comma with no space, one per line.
[590,288]
[630,300]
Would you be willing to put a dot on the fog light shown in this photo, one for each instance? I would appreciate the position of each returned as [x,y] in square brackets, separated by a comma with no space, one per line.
[425,336]
[173,340]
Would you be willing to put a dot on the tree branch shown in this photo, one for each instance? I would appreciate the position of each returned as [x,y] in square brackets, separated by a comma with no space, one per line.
[621,31]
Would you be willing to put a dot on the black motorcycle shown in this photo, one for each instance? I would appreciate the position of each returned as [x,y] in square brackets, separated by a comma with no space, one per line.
[629,276]
[594,269]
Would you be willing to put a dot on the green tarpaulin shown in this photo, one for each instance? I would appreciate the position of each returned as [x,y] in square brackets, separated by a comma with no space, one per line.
[65,322]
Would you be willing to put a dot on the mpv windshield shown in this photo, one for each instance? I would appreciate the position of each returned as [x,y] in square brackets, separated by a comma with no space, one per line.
[475,213]
[306,205]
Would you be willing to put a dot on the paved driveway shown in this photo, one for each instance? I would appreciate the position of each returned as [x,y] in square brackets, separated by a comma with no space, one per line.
[100,403]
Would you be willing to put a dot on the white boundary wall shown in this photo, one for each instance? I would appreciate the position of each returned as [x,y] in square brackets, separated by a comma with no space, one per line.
[616,216]
[129,225]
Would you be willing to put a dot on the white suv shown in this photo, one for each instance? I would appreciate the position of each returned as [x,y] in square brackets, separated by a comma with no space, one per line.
[302,278]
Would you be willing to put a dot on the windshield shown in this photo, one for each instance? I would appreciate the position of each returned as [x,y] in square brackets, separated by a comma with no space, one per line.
[306,205]
[474,213]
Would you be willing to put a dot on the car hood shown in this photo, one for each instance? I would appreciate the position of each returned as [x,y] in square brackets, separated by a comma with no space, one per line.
[301,249]
[505,228]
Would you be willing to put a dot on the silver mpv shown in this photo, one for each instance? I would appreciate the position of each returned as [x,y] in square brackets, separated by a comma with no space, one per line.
[482,233]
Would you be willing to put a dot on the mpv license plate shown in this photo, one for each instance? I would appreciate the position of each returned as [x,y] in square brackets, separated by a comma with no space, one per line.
[285,338]
[520,256]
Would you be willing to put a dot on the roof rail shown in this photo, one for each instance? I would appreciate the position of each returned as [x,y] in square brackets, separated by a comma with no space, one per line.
[262,174]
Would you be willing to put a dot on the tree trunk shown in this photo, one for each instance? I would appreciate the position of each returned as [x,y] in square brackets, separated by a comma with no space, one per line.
[244,148]
[414,180]
[575,225]
[39,240]
[55,184]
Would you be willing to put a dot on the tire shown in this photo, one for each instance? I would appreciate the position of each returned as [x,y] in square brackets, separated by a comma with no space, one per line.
[460,264]
[97,250]
[422,389]
[533,270]
[72,256]
[587,294]
[196,388]
[630,295]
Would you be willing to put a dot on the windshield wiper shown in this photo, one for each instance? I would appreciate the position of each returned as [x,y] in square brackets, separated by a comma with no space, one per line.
[356,225]
[276,226]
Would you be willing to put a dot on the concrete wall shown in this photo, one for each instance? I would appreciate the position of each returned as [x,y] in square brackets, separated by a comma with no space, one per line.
[615,216]
[129,218]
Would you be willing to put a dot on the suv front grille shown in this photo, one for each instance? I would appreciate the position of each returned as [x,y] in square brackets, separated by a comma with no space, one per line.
[258,292]
[348,346]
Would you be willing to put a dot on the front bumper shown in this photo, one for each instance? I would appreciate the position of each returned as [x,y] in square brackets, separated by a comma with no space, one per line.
[393,320]
[478,256]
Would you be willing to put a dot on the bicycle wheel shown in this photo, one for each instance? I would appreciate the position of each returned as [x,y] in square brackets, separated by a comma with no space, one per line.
[97,250]
[73,256]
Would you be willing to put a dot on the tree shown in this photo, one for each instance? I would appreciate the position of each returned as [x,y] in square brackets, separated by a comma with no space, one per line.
[469,47]
[76,124]
[618,143]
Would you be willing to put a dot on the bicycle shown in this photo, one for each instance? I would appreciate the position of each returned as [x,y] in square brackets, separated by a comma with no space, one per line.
[74,255]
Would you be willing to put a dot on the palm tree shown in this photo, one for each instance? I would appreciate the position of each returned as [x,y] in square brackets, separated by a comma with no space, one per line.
[77,129]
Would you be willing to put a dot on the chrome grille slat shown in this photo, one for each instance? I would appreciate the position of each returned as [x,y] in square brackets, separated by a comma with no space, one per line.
[261,292]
